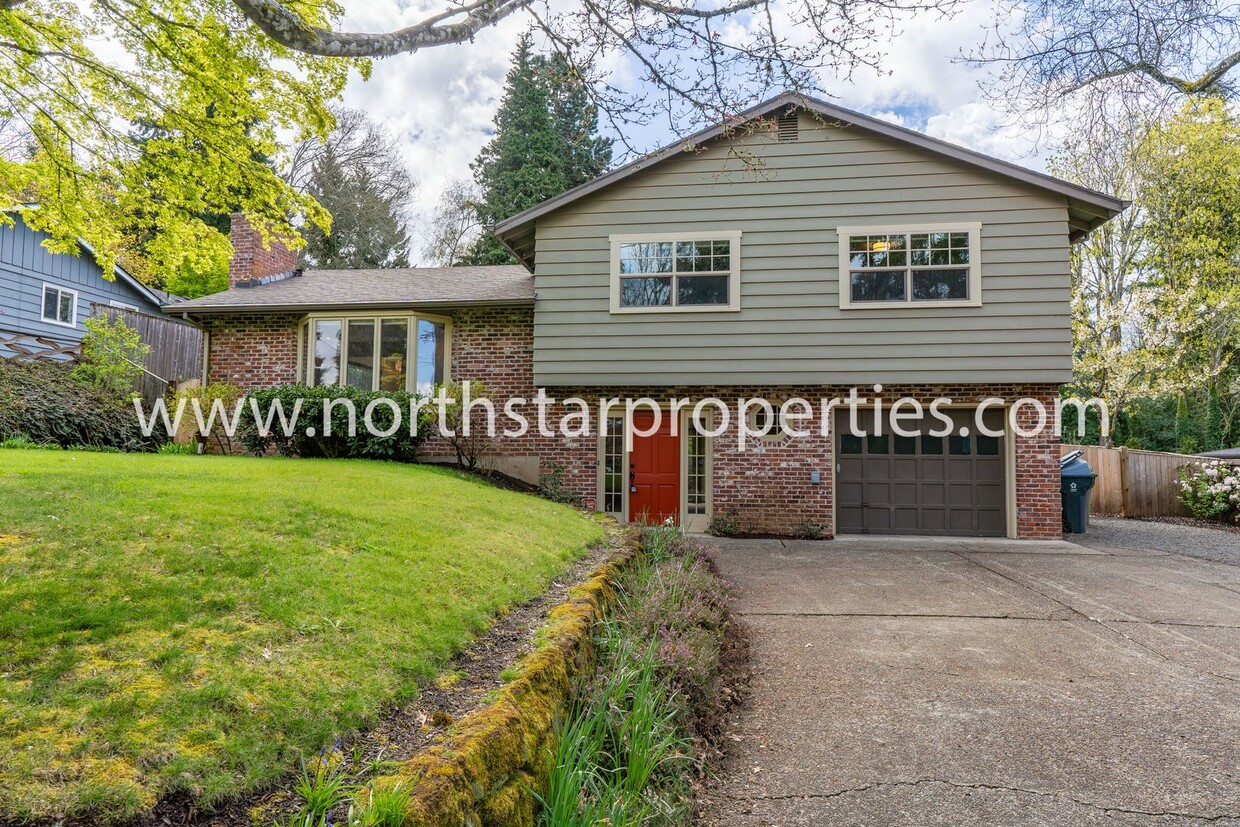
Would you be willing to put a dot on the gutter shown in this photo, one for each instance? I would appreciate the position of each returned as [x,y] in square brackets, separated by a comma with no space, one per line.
[185,312]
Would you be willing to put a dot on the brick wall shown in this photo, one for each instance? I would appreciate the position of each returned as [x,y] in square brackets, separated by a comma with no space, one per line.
[768,484]
[252,350]
[254,262]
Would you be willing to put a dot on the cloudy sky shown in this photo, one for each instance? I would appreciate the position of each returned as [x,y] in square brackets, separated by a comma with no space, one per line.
[440,102]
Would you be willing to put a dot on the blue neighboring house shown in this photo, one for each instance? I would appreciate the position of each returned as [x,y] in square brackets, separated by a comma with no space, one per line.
[49,294]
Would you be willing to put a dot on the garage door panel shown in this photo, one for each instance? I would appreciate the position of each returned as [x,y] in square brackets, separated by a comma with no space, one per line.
[991,522]
[960,519]
[905,493]
[960,494]
[951,485]
[990,496]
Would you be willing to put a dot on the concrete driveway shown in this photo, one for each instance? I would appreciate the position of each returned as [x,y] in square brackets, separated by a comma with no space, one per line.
[989,683]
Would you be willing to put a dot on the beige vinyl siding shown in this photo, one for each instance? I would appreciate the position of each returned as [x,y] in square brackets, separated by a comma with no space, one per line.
[790,329]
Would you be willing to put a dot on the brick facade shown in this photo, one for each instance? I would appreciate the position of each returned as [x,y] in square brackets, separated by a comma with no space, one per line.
[251,350]
[768,484]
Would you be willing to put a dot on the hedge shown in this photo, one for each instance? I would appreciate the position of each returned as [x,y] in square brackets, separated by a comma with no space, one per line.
[47,403]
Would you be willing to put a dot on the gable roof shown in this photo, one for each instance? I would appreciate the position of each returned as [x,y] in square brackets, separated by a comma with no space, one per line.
[155,297]
[374,289]
[1087,208]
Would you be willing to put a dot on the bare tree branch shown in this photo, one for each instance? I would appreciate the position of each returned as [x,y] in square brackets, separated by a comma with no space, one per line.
[290,29]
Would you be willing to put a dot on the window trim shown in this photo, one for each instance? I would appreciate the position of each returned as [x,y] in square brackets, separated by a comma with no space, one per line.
[734,273]
[58,289]
[306,326]
[973,228]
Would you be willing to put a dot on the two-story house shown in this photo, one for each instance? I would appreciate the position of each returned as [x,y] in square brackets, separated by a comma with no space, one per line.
[799,253]
[46,295]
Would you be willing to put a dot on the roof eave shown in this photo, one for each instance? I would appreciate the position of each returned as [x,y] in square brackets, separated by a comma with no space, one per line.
[222,309]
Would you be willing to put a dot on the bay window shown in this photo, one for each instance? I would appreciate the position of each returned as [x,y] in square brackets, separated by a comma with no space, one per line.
[935,265]
[376,352]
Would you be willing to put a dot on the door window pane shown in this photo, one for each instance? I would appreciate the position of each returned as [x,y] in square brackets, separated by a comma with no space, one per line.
[696,471]
[360,372]
[876,444]
[326,352]
[931,445]
[393,351]
[937,285]
[958,445]
[645,292]
[878,287]
[613,466]
[431,346]
[905,445]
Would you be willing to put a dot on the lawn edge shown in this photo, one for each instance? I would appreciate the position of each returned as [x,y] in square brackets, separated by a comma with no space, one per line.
[485,769]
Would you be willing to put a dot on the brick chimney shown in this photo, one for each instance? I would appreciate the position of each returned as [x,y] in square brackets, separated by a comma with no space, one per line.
[252,263]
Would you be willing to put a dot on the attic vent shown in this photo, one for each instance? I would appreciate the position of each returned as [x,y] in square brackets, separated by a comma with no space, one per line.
[786,127]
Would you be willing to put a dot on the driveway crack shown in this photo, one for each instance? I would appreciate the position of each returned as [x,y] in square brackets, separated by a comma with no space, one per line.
[1105,808]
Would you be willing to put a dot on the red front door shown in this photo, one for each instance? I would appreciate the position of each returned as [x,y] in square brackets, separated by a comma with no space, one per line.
[654,472]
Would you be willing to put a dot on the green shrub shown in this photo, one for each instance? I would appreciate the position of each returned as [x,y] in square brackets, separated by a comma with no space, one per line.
[551,486]
[49,404]
[184,448]
[112,354]
[309,439]
[1210,490]
[724,524]
[809,530]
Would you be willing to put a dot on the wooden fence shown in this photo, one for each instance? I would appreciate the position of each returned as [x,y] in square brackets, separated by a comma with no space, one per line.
[176,349]
[1134,483]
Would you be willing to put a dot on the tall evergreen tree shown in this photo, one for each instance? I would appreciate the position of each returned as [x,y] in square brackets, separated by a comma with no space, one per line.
[545,142]
[367,230]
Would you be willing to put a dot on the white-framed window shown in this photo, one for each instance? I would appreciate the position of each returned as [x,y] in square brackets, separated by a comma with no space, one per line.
[675,272]
[60,305]
[388,352]
[930,265]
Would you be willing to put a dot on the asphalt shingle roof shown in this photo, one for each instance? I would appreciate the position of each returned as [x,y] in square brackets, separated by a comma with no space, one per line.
[395,287]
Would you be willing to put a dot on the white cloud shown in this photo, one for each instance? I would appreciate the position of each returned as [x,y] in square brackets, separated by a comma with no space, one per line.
[440,102]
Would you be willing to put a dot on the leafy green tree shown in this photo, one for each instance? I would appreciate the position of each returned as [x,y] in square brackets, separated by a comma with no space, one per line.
[112,355]
[545,142]
[1192,195]
[220,90]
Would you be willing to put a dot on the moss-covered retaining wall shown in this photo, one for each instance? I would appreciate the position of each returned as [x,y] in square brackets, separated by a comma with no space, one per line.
[481,773]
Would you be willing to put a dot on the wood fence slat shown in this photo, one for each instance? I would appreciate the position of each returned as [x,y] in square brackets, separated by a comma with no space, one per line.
[1134,483]
[176,349]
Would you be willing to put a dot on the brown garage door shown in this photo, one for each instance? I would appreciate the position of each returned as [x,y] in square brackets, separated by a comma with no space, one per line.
[924,484]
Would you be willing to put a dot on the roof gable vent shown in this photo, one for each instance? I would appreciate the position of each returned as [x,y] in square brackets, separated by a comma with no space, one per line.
[786,127]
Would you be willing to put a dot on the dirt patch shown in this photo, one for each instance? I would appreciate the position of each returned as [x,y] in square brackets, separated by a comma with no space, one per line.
[468,683]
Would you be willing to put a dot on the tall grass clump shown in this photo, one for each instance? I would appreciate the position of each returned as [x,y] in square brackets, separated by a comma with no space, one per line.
[627,749]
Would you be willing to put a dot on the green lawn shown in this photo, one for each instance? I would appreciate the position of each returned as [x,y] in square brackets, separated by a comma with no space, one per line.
[198,623]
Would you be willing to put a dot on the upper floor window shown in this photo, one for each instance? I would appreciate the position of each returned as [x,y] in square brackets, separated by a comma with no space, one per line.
[933,265]
[676,272]
[59,305]
[386,353]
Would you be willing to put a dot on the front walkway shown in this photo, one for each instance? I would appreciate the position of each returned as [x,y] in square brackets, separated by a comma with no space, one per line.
[988,683]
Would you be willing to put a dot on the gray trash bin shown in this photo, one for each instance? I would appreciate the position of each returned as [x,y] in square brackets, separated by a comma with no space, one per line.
[1076,479]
